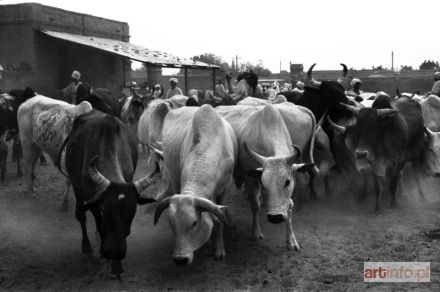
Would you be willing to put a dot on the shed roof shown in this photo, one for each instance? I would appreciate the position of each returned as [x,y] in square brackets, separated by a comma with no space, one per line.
[130,50]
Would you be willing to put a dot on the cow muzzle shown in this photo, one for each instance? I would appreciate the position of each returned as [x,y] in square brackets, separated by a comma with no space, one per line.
[362,154]
[276,219]
[182,260]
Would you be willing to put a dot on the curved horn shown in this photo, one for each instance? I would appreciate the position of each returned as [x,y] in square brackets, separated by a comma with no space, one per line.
[337,127]
[297,166]
[309,72]
[350,108]
[321,120]
[398,92]
[257,157]
[145,182]
[428,132]
[221,212]
[155,150]
[162,205]
[309,80]
[386,112]
[291,159]
[344,70]
[100,181]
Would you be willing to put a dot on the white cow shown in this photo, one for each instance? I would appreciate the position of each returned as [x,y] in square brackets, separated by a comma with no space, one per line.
[268,159]
[44,124]
[199,150]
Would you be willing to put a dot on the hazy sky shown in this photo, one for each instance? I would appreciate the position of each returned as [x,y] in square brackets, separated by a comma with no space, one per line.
[359,33]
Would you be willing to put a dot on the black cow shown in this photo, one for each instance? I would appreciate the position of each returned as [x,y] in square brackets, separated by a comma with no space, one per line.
[100,98]
[384,139]
[101,157]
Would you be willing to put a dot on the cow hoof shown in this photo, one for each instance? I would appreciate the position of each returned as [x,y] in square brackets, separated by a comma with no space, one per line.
[257,236]
[118,276]
[19,174]
[313,196]
[393,205]
[117,270]
[220,256]
[293,247]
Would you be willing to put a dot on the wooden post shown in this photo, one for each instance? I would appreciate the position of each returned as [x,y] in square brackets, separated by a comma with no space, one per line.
[186,81]
[213,80]
[149,77]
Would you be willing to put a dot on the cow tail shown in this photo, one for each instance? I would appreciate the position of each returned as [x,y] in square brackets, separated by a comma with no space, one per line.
[60,153]
[311,146]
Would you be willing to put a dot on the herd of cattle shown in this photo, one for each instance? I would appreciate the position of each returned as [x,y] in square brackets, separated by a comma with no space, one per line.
[202,149]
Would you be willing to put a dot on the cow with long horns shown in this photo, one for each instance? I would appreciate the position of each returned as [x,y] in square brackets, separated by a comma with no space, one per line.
[199,151]
[384,139]
[100,158]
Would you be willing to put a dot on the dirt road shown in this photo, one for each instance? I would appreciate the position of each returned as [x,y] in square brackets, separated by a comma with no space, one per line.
[40,247]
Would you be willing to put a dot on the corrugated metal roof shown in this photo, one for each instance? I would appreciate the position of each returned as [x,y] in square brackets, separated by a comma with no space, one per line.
[129,50]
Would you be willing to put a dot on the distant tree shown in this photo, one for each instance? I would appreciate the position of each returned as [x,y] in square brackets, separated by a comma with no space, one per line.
[208,58]
[406,68]
[258,69]
[429,64]
[212,59]
[378,67]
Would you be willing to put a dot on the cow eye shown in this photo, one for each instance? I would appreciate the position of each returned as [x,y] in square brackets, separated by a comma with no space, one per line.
[287,183]
[194,224]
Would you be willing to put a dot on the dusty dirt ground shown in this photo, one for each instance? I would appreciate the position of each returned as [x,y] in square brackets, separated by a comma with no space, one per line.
[40,246]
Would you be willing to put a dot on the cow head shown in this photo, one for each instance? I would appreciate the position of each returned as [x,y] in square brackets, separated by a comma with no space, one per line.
[191,219]
[432,152]
[117,205]
[277,176]
[365,136]
[319,96]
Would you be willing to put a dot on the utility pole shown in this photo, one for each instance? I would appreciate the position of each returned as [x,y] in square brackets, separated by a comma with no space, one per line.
[280,66]
[392,60]
[236,62]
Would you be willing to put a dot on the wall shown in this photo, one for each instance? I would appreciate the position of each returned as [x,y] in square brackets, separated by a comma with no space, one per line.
[31,58]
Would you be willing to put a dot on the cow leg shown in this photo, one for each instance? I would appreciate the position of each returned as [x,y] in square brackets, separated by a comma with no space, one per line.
[98,222]
[30,154]
[219,247]
[394,181]
[254,201]
[17,155]
[80,214]
[378,188]
[313,194]
[292,244]
[43,160]
[363,192]
[3,158]
[418,178]
[65,203]
[327,190]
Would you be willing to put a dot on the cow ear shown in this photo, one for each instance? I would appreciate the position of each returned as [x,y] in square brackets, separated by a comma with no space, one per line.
[255,173]
[143,201]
